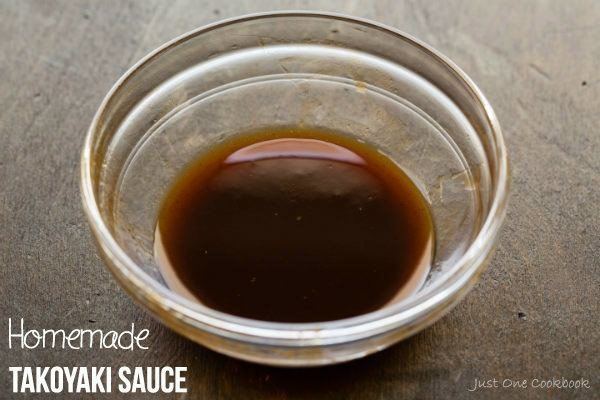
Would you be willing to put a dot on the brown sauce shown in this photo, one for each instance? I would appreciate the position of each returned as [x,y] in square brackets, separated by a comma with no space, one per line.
[294,226]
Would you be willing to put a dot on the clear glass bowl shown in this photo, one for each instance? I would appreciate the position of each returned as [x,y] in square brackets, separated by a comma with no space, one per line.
[315,70]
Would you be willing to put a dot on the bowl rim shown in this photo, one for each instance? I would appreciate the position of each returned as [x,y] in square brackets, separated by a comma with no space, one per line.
[196,316]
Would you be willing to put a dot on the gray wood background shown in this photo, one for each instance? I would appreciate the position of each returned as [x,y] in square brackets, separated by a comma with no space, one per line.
[533,315]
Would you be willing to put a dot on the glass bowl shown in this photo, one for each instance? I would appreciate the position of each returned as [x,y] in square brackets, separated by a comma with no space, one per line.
[314,70]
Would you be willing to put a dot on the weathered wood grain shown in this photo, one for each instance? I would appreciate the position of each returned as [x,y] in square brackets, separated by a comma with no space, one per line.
[535,312]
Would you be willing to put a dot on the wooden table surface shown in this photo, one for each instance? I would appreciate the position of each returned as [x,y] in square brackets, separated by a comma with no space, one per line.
[535,312]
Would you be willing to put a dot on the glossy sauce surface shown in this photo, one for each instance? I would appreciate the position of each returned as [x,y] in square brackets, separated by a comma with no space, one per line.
[294,226]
